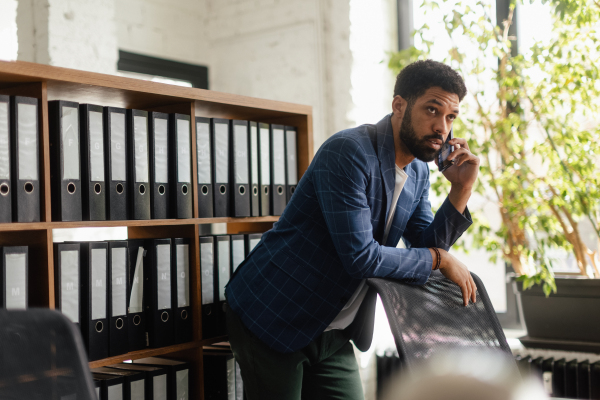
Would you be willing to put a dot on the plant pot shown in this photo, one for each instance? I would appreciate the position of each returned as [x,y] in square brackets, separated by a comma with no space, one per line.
[567,320]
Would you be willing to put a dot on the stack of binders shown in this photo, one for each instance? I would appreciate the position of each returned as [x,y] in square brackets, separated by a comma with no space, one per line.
[119,384]
[125,295]
[13,277]
[106,162]
[178,375]
[222,377]
[19,159]
[220,257]
[155,379]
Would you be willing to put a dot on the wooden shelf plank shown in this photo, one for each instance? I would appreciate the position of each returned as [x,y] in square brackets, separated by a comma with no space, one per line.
[135,355]
[95,85]
[32,226]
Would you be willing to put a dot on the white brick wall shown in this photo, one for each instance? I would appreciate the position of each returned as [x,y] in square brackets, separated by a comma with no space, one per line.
[74,34]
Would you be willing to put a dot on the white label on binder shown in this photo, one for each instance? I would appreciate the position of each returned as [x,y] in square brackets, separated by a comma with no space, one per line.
[159,383]
[119,281]
[253,243]
[98,284]
[183,384]
[183,275]
[265,166]
[137,390]
[137,285]
[239,384]
[231,379]
[98,392]
[238,252]
[222,152]
[224,266]
[161,151]
[254,153]
[69,284]
[203,150]
[140,137]
[28,141]
[163,275]
[241,154]
[207,263]
[292,164]
[16,281]
[96,146]
[4,147]
[184,153]
[278,157]
[118,156]
[69,121]
[115,392]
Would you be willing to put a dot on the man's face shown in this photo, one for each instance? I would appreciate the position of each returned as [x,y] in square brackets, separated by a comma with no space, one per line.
[427,122]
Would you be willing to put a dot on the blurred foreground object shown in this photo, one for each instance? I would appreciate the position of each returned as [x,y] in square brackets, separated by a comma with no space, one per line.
[42,357]
[465,375]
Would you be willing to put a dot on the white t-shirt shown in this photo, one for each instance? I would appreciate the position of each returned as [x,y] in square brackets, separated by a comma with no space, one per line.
[348,313]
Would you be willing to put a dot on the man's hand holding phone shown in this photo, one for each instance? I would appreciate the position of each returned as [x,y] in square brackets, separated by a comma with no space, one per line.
[462,172]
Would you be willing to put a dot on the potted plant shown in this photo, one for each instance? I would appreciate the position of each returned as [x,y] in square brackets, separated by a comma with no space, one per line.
[532,118]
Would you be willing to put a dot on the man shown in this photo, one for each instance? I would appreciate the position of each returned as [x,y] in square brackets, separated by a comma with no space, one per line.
[300,296]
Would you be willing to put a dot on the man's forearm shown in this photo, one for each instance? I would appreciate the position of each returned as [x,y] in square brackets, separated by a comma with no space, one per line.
[459,196]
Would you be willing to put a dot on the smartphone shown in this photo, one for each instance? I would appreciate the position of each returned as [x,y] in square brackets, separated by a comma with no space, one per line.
[445,151]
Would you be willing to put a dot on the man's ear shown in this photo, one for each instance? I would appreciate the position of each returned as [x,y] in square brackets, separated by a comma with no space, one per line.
[398,106]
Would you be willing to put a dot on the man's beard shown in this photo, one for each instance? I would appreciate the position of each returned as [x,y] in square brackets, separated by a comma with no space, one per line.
[419,147]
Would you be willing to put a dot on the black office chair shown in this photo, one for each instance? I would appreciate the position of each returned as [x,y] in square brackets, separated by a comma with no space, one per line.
[42,357]
[431,318]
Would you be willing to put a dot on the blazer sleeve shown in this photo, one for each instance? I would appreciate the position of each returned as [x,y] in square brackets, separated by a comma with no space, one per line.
[441,231]
[341,176]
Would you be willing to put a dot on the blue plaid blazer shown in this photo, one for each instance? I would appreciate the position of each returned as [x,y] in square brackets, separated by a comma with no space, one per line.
[304,270]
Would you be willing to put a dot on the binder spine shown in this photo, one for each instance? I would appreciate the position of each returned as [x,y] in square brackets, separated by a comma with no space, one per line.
[264,167]
[67,280]
[117,299]
[93,183]
[252,240]
[5,158]
[94,299]
[139,171]
[135,295]
[160,308]
[25,159]
[291,161]
[239,172]
[159,165]
[14,277]
[278,189]
[181,164]
[180,290]
[220,156]
[66,159]
[116,155]
[222,275]
[205,168]
[253,168]
[207,274]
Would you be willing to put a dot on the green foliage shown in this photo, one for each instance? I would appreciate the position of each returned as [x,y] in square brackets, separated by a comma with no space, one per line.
[538,137]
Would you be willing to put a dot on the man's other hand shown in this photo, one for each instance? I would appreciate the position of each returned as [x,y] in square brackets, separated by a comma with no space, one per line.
[458,273]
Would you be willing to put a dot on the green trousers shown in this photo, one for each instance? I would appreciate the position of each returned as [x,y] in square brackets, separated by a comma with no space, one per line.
[325,369]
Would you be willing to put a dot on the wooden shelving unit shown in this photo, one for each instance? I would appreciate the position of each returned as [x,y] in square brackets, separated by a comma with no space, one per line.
[52,83]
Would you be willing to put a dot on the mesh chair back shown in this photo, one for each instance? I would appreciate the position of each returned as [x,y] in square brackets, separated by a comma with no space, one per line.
[431,318]
[42,357]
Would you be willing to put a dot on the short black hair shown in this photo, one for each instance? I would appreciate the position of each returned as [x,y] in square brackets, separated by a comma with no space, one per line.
[416,78]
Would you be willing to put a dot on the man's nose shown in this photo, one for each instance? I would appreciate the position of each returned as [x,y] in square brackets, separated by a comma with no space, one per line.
[442,127]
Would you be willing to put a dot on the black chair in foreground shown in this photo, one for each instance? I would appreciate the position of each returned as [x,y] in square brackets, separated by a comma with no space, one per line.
[42,357]
[429,319]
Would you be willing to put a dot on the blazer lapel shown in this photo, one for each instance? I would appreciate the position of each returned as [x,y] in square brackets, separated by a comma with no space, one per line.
[403,207]
[387,159]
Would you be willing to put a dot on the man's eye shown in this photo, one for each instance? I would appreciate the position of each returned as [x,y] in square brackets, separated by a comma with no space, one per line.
[431,110]
[452,117]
